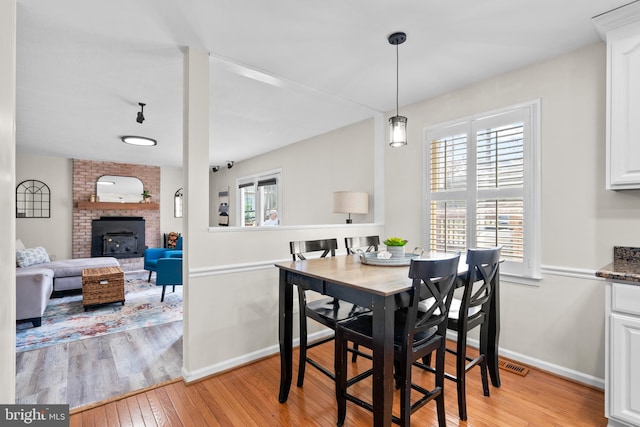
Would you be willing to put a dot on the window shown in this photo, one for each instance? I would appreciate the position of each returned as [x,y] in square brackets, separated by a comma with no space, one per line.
[482,186]
[258,196]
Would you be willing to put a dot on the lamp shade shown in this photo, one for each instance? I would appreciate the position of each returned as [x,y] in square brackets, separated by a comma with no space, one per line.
[350,202]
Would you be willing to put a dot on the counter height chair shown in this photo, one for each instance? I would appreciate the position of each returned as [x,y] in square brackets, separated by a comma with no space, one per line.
[366,243]
[470,312]
[417,333]
[326,311]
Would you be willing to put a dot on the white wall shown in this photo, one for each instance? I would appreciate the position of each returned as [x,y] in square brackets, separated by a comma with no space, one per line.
[54,233]
[340,160]
[560,323]
[7,200]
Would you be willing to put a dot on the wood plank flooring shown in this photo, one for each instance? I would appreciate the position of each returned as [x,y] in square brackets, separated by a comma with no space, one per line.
[247,396]
[94,369]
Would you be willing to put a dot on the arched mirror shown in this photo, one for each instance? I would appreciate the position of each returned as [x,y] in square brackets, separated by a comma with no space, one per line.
[123,189]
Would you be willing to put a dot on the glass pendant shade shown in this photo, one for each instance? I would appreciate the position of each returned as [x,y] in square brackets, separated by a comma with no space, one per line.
[398,128]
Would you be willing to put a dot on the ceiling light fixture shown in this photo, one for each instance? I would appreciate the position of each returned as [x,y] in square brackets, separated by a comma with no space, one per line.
[398,123]
[139,140]
[229,164]
[140,117]
[215,169]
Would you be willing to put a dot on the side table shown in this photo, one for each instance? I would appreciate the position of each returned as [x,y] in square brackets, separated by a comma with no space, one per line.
[102,285]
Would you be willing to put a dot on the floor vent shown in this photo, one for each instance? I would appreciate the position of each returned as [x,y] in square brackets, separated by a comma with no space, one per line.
[512,367]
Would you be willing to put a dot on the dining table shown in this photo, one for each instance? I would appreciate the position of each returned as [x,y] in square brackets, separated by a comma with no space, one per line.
[381,288]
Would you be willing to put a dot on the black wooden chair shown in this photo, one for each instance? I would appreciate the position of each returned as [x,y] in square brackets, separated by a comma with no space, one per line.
[417,333]
[470,312]
[326,311]
[366,243]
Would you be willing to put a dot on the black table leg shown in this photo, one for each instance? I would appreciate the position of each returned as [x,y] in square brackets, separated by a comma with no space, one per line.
[285,310]
[383,383]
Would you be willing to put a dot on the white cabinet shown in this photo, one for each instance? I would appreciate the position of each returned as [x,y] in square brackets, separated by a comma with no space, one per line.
[620,29]
[622,370]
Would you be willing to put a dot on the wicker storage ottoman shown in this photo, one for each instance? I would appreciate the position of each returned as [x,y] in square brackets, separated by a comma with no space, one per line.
[102,285]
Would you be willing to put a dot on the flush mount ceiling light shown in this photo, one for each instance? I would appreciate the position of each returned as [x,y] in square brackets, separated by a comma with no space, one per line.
[140,117]
[398,123]
[139,140]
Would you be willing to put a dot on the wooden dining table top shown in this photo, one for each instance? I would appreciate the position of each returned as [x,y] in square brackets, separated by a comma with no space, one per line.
[348,270]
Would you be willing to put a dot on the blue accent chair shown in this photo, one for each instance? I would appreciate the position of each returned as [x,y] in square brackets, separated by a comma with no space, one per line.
[169,273]
[152,255]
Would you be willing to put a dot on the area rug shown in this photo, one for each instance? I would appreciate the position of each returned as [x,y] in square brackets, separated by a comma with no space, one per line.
[66,320]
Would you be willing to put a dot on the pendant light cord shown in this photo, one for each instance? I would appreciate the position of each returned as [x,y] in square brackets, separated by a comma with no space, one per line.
[397,79]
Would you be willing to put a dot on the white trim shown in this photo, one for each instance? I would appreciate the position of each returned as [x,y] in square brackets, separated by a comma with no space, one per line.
[290,227]
[239,361]
[550,270]
[245,359]
[580,273]
[540,364]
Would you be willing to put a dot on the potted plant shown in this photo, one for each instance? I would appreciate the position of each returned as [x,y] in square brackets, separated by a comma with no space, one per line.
[395,245]
[146,196]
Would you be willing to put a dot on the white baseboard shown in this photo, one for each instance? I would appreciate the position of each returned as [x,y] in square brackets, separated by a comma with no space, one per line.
[542,365]
[245,359]
[226,365]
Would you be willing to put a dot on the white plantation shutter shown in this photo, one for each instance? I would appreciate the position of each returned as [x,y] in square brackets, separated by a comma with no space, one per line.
[479,188]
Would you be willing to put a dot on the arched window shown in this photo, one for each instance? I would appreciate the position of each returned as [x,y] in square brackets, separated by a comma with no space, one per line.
[33,199]
[177,203]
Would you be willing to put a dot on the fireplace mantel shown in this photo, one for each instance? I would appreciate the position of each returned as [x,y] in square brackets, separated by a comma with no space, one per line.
[118,206]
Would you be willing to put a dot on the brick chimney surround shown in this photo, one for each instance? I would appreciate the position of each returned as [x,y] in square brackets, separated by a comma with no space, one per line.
[85,176]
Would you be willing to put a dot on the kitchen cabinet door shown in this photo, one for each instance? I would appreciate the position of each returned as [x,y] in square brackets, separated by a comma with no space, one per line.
[624,396]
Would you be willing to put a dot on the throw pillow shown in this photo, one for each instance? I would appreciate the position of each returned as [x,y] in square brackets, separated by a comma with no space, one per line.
[32,256]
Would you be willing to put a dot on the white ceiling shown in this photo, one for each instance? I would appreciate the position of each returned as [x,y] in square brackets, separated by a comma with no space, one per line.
[281,70]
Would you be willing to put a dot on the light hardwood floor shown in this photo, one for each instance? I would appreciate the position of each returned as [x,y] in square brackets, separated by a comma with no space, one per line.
[94,369]
[248,396]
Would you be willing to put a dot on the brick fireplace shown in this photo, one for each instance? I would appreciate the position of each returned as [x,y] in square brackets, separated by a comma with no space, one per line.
[85,176]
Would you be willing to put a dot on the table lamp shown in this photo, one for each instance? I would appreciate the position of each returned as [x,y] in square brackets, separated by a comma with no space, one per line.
[350,202]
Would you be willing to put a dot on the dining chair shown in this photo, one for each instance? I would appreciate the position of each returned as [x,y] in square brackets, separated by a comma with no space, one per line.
[468,313]
[366,243]
[326,311]
[417,333]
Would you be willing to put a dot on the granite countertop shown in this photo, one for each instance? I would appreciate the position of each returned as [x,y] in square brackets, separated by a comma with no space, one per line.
[625,265]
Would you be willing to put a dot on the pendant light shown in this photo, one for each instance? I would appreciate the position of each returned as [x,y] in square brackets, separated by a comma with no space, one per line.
[398,123]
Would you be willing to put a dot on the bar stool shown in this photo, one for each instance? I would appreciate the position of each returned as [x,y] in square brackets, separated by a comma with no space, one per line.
[326,311]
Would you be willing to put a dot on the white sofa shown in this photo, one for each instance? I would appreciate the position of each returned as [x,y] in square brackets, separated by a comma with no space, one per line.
[67,273]
[33,289]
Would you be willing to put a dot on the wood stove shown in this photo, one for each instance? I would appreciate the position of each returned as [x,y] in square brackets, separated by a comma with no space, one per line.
[118,236]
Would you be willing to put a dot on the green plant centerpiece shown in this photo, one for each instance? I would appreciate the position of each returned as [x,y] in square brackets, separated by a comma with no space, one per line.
[146,196]
[395,245]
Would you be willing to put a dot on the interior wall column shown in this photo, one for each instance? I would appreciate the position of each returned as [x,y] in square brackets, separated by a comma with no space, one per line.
[196,177]
[7,200]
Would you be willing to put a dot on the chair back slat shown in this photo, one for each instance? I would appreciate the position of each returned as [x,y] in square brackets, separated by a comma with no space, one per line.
[483,266]
[299,248]
[434,278]
[371,243]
